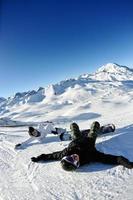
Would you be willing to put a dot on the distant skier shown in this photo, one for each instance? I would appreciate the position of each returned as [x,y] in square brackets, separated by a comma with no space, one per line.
[40,133]
[82,151]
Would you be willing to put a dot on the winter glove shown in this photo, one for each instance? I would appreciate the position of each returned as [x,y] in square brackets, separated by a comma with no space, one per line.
[125,162]
[34,159]
[17,146]
[42,157]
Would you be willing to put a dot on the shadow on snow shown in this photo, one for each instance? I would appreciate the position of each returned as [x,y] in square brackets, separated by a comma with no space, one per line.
[120,143]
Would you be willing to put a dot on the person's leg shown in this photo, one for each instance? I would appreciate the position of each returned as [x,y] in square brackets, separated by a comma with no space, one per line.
[94,130]
[75,132]
[105,158]
[112,159]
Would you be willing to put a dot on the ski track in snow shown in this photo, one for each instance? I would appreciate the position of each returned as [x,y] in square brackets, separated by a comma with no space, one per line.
[20,179]
[15,174]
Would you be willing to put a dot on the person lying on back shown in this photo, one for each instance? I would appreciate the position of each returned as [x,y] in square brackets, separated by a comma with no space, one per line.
[82,151]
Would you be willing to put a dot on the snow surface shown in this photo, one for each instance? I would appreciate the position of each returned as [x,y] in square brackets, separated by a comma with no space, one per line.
[82,100]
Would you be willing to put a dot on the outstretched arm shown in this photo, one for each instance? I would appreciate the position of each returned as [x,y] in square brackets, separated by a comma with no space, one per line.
[52,156]
[25,143]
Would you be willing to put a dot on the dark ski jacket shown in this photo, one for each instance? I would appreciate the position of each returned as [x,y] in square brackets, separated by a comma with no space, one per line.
[86,150]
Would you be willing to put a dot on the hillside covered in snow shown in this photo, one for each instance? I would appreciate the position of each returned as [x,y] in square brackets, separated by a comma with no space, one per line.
[78,98]
[105,96]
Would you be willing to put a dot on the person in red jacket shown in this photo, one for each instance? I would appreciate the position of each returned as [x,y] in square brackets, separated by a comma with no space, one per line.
[82,151]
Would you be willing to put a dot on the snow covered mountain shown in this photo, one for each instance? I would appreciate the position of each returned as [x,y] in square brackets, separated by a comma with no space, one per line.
[114,72]
[110,81]
[105,96]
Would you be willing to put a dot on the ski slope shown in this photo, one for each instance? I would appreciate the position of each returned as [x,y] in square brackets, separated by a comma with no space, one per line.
[104,101]
[22,179]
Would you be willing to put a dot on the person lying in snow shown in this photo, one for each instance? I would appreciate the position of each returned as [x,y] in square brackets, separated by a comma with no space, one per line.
[40,133]
[82,151]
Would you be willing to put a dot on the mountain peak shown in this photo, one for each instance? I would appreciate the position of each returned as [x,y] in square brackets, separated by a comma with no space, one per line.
[113,72]
[114,68]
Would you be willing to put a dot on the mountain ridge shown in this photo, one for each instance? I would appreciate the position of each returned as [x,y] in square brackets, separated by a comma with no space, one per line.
[108,68]
[108,81]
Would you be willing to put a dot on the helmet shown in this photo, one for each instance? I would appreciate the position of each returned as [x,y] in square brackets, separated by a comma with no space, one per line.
[69,163]
[33,132]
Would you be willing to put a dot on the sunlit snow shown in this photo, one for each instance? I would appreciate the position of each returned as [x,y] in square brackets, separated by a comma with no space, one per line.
[105,96]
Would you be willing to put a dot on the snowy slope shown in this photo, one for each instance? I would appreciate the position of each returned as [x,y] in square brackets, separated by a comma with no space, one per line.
[110,82]
[21,179]
[82,100]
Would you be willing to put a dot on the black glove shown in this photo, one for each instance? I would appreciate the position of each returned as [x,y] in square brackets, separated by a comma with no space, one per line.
[17,146]
[125,162]
[42,157]
[34,159]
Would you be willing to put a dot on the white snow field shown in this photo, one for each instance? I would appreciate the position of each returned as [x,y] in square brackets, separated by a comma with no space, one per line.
[105,96]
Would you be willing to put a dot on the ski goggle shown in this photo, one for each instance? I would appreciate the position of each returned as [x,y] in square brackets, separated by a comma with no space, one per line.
[72,159]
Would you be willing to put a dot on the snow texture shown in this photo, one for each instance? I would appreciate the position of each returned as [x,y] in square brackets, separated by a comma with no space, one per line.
[105,96]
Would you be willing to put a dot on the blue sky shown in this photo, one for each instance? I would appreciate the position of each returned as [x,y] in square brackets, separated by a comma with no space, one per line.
[46,41]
